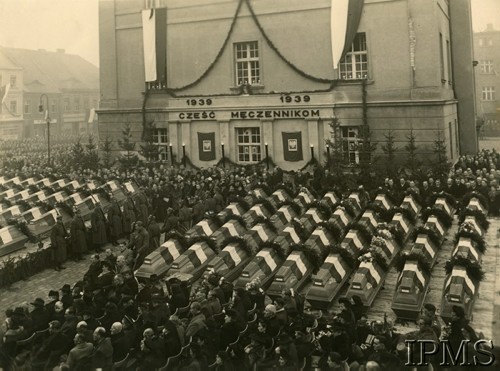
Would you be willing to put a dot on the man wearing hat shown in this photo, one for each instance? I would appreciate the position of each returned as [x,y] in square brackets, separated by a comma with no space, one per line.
[98,227]
[115,221]
[39,315]
[58,242]
[128,216]
[66,297]
[140,243]
[457,323]
[53,299]
[429,312]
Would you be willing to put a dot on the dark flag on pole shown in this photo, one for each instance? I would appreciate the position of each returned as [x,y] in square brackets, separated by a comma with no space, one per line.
[292,146]
[206,146]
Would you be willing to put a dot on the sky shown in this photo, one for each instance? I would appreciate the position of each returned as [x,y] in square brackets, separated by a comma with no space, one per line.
[73,24]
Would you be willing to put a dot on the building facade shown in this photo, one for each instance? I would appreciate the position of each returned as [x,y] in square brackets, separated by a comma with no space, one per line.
[11,99]
[252,77]
[487,55]
[67,83]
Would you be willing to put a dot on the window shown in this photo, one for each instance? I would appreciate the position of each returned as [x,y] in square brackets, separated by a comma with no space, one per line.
[488,93]
[486,66]
[13,106]
[350,143]
[448,59]
[247,63]
[160,138]
[76,104]
[27,106]
[248,143]
[441,57]
[67,106]
[13,80]
[355,63]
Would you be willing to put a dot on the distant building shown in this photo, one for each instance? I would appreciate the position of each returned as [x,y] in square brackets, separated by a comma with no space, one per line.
[251,76]
[487,55]
[11,99]
[70,83]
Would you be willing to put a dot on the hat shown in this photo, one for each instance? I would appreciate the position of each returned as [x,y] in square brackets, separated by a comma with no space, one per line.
[53,293]
[66,288]
[430,307]
[38,302]
[213,280]
[459,311]
[270,308]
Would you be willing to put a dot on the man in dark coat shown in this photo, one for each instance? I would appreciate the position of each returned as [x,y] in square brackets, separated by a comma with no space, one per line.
[140,243]
[115,221]
[102,357]
[154,231]
[98,227]
[128,216]
[78,233]
[39,315]
[58,240]
[119,341]
[56,344]
[50,306]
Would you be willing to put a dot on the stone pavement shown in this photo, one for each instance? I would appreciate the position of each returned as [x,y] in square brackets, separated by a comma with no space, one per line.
[40,284]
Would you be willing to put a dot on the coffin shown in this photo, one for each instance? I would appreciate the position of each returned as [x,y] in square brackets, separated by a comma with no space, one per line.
[472,220]
[410,204]
[231,209]
[193,261]
[341,218]
[424,246]
[92,184]
[287,237]
[402,224]
[38,196]
[278,197]
[383,201]
[16,180]
[311,219]
[105,204]
[41,227]
[75,198]
[370,220]
[86,206]
[131,187]
[259,193]
[327,283]
[115,190]
[58,184]
[43,182]
[256,211]
[159,261]
[232,228]
[229,262]
[23,195]
[257,235]
[11,213]
[28,182]
[353,242]
[293,274]
[56,197]
[433,222]
[467,249]
[366,283]
[330,199]
[358,200]
[442,203]
[388,249]
[263,266]
[304,198]
[283,216]
[410,292]
[73,185]
[475,204]
[206,227]
[7,194]
[11,240]
[460,290]
[321,238]
[33,213]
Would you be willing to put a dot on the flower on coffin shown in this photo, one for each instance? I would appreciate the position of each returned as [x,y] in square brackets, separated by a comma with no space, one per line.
[445,332]
[342,208]
[384,234]
[467,227]
[366,258]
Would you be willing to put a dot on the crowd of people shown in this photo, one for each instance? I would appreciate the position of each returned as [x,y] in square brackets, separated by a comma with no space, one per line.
[108,319]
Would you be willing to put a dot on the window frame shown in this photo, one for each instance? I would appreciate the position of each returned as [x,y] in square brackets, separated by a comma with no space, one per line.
[249,138]
[486,66]
[158,135]
[488,94]
[346,69]
[251,78]
[27,104]
[351,144]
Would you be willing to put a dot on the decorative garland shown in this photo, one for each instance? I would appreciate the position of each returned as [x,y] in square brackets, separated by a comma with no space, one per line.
[267,205]
[23,227]
[365,233]
[443,217]
[369,254]
[172,91]
[483,200]
[238,218]
[481,219]
[349,206]
[407,213]
[452,201]
[333,229]
[473,269]
[267,222]
[243,203]
[276,247]
[382,213]
[431,233]
[299,229]
[241,242]
[422,263]
[479,240]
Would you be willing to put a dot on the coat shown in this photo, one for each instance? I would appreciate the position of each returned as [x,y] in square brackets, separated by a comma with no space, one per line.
[128,215]
[58,241]
[115,220]
[78,233]
[78,353]
[98,223]
[154,231]
[102,357]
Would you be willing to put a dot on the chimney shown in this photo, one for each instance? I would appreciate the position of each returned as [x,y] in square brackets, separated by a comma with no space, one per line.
[489,27]
[61,51]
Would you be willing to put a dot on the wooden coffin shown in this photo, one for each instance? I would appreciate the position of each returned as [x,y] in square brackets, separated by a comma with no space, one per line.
[193,261]
[366,283]
[263,266]
[159,261]
[12,212]
[229,262]
[331,200]
[304,198]
[56,197]
[41,227]
[472,220]
[341,218]
[257,235]
[11,240]
[256,211]
[115,190]
[459,289]
[433,222]
[442,203]
[311,219]
[283,216]
[475,204]
[321,238]
[467,249]
[370,220]
[384,201]
[22,195]
[232,228]
[206,227]
[233,208]
[278,197]
[411,204]
[58,184]
[411,288]
[86,206]
[424,246]
[353,242]
[293,274]
[401,223]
